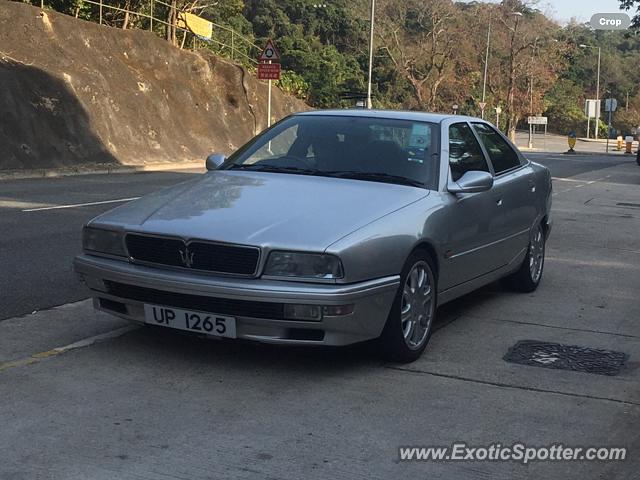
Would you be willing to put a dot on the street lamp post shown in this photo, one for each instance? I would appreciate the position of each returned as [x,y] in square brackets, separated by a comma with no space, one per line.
[373,13]
[486,65]
[512,79]
[533,57]
[597,89]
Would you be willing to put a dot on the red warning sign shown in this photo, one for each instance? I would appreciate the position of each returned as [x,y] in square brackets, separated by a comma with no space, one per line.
[268,71]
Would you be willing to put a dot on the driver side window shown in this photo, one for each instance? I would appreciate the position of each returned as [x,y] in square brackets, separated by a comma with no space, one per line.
[278,147]
[465,153]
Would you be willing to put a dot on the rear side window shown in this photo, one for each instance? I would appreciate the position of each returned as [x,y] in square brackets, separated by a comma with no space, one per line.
[502,156]
[465,153]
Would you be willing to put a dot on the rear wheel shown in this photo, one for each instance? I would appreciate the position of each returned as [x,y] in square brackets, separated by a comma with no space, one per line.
[408,327]
[528,277]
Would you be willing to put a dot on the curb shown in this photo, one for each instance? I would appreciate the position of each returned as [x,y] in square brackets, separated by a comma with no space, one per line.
[96,170]
[578,153]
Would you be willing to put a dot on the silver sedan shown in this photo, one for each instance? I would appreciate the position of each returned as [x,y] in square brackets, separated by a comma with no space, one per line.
[330,228]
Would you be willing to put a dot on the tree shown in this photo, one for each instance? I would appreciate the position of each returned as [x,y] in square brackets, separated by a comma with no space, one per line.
[525,39]
[563,105]
[628,5]
[419,38]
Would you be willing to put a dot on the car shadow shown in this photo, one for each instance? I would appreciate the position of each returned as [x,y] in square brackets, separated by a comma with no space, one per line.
[455,309]
[244,354]
[197,351]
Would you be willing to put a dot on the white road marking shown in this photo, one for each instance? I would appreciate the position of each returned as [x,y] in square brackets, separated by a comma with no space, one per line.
[57,207]
[19,204]
[36,357]
[560,179]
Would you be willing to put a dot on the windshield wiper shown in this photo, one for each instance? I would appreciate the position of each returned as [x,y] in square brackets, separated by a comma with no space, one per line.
[375,176]
[275,169]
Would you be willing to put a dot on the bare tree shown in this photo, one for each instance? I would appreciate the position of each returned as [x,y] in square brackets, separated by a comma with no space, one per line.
[419,39]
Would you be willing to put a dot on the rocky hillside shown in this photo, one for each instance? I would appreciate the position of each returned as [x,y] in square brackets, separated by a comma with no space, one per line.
[75,93]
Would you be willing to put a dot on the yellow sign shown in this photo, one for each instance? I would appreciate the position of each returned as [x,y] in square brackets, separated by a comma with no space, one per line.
[196,24]
[572,142]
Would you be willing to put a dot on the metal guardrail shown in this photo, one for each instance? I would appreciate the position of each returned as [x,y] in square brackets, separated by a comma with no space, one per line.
[235,49]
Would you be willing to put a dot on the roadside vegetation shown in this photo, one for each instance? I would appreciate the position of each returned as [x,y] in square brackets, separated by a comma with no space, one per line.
[428,55]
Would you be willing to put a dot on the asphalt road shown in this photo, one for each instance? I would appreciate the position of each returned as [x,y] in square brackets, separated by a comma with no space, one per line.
[37,247]
[86,396]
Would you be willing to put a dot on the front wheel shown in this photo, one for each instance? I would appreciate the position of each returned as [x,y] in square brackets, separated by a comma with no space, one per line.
[408,327]
[528,277]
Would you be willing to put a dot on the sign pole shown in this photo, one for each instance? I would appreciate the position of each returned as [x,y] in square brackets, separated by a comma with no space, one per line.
[609,123]
[598,95]
[268,70]
[269,106]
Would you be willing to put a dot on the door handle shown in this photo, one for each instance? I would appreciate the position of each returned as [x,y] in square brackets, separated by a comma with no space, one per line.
[532,186]
[499,202]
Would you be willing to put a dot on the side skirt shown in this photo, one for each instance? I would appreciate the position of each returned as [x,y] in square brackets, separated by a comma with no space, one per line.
[467,287]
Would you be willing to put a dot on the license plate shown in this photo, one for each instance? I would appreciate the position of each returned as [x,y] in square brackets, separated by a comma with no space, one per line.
[190,320]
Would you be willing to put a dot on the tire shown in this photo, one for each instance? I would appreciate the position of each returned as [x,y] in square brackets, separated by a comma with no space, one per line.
[404,341]
[528,277]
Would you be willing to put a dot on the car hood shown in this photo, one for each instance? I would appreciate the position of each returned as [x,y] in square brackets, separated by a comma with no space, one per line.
[263,209]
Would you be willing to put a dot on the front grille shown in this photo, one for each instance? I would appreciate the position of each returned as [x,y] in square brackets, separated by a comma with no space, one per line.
[194,255]
[223,306]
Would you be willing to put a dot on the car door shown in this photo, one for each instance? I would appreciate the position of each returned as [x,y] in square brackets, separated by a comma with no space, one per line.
[470,224]
[514,189]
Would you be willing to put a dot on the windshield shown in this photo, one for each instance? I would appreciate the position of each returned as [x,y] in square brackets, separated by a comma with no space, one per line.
[370,149]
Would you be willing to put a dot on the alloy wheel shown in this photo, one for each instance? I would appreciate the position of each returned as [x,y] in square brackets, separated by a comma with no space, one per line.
[416,309]
[536,255]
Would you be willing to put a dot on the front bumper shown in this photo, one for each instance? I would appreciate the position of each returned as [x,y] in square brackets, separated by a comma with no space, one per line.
[372,300]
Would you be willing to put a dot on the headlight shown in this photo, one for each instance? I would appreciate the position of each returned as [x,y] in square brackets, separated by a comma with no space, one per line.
[103,241]
[303,265]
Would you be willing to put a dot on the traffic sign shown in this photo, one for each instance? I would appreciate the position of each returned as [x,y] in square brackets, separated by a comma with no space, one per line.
[270,53]
[268,71]
[537,120]
[592,108]
[482,105]
[610,105]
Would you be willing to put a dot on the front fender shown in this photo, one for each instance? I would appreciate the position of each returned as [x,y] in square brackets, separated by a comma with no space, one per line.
[381,248]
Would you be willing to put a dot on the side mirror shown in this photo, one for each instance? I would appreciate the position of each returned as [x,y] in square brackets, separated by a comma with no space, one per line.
[215,160]
[472,182]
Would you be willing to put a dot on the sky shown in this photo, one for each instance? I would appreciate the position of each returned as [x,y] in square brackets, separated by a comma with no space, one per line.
[582,10]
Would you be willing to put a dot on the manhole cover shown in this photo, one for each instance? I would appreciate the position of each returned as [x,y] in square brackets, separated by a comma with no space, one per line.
[566,357]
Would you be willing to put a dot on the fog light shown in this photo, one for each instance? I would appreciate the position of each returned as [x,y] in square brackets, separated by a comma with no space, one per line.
[315,313]
[303,312]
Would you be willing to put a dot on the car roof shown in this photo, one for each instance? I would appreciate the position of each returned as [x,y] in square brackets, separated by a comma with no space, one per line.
[391,114]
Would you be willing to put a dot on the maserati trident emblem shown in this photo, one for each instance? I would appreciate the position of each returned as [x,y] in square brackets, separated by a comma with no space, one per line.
[186,257]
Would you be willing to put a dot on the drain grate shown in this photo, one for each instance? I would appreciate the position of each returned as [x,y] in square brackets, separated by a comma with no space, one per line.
[566,357]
